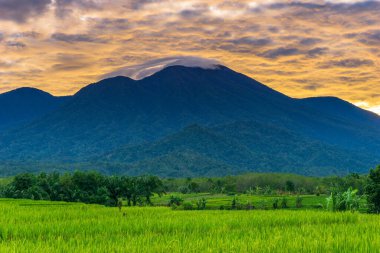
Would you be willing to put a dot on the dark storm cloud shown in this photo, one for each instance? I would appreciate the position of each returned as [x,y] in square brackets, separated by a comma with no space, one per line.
[21,10]
[72,38]
[348,63]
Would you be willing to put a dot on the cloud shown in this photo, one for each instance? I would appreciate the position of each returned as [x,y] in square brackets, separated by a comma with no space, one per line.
[109,24]
[310,41]
[281,51]
[317,51]
[29,34]
[371,38]
[273,41]
[252,41]
[348,63]
[64,8]
[21,10]
[15,44]
[138,4]
[72,38]
[149,68]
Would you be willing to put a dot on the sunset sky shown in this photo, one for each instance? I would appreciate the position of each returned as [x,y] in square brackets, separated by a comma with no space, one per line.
[301,48]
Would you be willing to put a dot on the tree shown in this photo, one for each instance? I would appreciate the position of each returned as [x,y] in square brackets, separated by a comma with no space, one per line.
[149,185]
[114,186]
[372,190]
[289,186]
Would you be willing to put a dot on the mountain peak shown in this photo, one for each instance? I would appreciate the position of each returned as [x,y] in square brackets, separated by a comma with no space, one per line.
[149,68]
[26,91]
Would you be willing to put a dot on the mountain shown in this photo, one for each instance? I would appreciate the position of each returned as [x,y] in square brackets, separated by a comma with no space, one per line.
[238,147]
[340,109]
[23,105]
[120,124]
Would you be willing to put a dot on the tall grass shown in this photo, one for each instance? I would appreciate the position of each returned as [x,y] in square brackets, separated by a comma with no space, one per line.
[27,226]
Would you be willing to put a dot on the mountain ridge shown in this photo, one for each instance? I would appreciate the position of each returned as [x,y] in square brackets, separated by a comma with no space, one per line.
[119,111]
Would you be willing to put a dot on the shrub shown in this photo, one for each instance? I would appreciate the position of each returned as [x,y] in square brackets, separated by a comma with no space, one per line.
[275,203]
[346,201]
[187,206]
[298,202]
[284,202]
[175,200]
[249,206]
[201,204]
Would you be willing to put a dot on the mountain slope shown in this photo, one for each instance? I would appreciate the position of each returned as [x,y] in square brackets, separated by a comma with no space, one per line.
[240,147]
[340,109]
[119,112]
[23,105]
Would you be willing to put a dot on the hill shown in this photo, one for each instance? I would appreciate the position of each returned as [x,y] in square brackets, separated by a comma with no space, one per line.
[23,105]
[238,124]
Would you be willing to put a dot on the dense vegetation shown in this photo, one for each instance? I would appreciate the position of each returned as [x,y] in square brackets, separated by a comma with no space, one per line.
[87,187]
[93,187]
[42,226]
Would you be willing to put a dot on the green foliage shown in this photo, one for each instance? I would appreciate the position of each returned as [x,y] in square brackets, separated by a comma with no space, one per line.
[87,187]
[175,200]
[201,204]
[289,186]
[284,202]
[187,206]
[346,201]
[299,202]
[275,203]
[372,190]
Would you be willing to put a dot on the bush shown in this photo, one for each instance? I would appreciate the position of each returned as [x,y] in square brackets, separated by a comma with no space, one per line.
[284,202]
[175,200]
[346,201]
[275,203]
[201,204]
[187,206]
[298,202]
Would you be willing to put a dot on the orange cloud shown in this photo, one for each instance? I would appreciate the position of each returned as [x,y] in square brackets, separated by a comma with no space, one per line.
[301,48]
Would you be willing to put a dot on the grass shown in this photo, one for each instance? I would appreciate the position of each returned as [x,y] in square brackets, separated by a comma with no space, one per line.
[42,226]
[214,201]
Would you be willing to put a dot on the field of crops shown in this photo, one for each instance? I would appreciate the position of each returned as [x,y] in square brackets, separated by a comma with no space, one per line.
[215,201]
[40,226]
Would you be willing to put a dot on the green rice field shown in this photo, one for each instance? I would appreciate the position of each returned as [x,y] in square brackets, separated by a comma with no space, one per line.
[42,226]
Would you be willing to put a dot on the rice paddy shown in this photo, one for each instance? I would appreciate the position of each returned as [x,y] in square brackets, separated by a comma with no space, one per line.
[42,226]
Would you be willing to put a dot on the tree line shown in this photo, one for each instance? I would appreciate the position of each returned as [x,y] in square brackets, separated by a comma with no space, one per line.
[93,187]
[87,187]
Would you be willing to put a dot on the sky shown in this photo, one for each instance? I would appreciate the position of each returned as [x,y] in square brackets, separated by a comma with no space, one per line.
[301,48]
